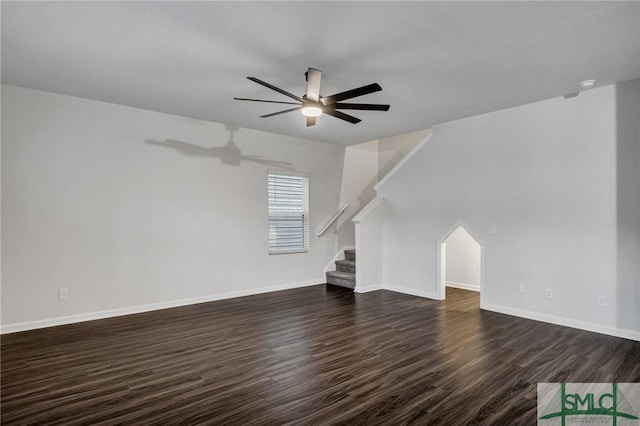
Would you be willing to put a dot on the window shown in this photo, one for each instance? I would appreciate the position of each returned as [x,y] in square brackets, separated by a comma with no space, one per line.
[288,213]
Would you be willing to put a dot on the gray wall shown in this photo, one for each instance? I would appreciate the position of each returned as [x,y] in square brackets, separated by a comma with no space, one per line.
[628,200]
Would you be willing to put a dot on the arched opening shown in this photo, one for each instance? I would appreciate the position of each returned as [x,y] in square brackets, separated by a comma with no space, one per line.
[461,261]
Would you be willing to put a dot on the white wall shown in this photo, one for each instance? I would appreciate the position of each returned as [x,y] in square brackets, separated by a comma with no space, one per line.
[365,165]
[546,176]
[359,175]
[393,149]
[462,260]
[369,246]
[130,209]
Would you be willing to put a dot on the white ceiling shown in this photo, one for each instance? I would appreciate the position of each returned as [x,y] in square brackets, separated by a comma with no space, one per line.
[436,61]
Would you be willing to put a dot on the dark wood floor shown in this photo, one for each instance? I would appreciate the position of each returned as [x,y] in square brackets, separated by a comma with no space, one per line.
[313,355]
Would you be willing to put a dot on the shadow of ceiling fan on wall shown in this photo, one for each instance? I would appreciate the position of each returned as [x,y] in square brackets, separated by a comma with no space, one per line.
[229,154]
[312,104]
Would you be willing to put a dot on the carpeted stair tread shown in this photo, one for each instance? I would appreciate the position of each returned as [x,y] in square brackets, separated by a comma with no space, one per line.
[340,274]
[346,266]
[342,279]
[350,254]
[345,273]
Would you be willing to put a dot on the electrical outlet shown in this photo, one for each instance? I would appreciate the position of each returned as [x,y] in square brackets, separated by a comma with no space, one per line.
[493,230]
[523,287]
[64,293]
[549,293]
[602,300]
[261,272]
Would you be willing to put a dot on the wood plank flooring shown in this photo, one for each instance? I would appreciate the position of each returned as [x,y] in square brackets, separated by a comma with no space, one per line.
[317,355]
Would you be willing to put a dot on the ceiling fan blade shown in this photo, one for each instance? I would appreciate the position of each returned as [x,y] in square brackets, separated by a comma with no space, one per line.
[262,100]
[342,116]
[364,107]
[281,112]
[277,89]
[353,93]
[311,121]
[313,84]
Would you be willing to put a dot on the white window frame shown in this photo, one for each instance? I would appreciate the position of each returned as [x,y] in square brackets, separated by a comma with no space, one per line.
[286,206]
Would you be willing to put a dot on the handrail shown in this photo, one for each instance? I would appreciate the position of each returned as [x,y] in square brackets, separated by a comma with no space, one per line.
[333,219]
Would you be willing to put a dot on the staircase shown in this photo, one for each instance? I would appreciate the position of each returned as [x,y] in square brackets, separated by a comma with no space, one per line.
[345,273]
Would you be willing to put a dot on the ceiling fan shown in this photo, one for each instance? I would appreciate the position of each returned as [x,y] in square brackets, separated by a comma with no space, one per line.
[312,104]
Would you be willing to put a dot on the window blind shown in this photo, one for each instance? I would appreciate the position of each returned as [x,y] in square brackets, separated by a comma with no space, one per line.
[288,213]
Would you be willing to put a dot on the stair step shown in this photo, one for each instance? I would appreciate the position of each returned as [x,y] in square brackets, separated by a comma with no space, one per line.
[350,254]
[346,266]
[342,279]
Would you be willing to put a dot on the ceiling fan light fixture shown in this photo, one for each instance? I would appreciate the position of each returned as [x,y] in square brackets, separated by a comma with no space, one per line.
[311,111]
[587,84]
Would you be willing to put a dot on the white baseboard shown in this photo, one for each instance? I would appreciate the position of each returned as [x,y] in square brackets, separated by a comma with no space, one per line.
[462,286]
[52,322]
[367,289]
[566,322]
[552,319]
[397,289]
[411,291]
